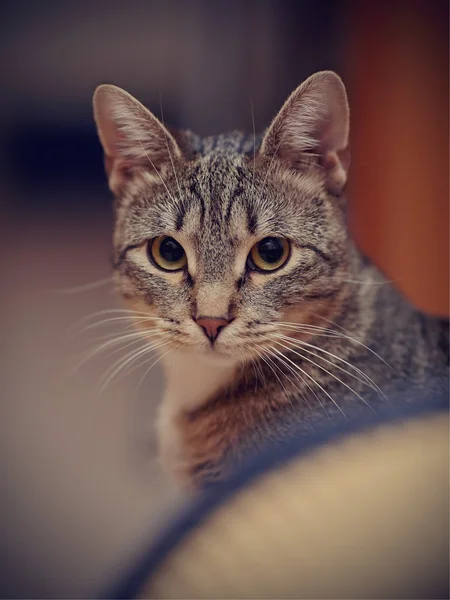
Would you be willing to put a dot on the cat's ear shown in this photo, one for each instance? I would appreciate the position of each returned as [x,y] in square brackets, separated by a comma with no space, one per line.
[131,136]
[314,121]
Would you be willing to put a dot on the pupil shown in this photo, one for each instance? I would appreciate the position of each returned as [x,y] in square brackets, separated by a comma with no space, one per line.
[171,250]
[270,250]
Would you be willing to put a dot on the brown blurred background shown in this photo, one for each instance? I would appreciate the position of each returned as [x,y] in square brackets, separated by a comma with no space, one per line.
[81,486]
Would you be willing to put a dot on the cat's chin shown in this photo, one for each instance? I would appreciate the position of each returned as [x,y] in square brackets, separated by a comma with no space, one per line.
[216,356]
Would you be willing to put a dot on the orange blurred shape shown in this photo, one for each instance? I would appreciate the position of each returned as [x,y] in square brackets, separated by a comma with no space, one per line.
[399,187]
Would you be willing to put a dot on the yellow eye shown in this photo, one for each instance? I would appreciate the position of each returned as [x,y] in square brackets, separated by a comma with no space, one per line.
[167,253]
[268,254]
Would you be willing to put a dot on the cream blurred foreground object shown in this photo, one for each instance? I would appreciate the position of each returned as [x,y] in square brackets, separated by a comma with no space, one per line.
[364,517]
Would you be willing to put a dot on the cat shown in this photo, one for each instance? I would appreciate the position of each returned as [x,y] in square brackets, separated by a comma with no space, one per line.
[233,253]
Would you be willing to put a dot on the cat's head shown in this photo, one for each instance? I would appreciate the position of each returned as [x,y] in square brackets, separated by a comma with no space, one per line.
[219,240]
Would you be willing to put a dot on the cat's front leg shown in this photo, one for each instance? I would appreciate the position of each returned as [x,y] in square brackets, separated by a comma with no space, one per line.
[201,447]
[171,452]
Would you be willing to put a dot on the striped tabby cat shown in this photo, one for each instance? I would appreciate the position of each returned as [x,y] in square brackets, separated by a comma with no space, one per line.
[233,256]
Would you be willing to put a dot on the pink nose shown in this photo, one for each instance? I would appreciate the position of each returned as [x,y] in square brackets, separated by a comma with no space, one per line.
[212,326]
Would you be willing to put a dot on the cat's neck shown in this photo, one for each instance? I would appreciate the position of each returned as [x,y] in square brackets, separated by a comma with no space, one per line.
[193,379]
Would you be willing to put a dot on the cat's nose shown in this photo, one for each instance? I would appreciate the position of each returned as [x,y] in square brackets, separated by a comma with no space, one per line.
[212,326]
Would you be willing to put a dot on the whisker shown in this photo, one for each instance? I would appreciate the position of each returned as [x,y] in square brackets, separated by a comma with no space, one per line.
[291,370]
[118,366]
[84,287]
[328,372]
[316,332]
[356,281]
[168,150]
[131,368]
[267,359]
[331,332]
[308,326]
[254,145]
[157,172]
[252,362]
[150,368]
[366,379]
[100,313]
[281,357]
[135,337]
[260,372]
[134,321]
[313,380]
[267,173]
[131,328]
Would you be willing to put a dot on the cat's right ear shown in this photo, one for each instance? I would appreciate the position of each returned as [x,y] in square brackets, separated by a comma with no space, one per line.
[132,137]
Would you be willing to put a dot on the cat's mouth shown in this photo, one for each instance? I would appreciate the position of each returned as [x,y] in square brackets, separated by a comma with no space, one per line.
[216,355]
[231,348]
[216,341]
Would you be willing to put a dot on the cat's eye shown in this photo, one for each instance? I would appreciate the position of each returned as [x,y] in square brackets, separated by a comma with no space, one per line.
[167,253]
[268,254]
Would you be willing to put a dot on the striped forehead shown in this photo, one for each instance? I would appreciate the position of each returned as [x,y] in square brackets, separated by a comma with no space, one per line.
[216,204]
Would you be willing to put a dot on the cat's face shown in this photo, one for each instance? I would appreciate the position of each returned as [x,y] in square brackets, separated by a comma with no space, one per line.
[217,248]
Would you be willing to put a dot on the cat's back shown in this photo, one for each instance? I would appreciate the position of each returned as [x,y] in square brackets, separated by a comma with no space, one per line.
[414,342]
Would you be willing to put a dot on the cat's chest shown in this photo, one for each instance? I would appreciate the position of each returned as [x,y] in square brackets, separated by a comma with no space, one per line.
[190,382]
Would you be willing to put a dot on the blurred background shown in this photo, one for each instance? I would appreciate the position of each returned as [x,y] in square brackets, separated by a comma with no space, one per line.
[81,487]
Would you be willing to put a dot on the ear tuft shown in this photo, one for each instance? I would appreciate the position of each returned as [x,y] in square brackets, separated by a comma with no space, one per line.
[314,120]
[131,136]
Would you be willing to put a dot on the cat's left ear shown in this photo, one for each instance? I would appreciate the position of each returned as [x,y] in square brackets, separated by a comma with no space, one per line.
[133,139]
[314,120]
